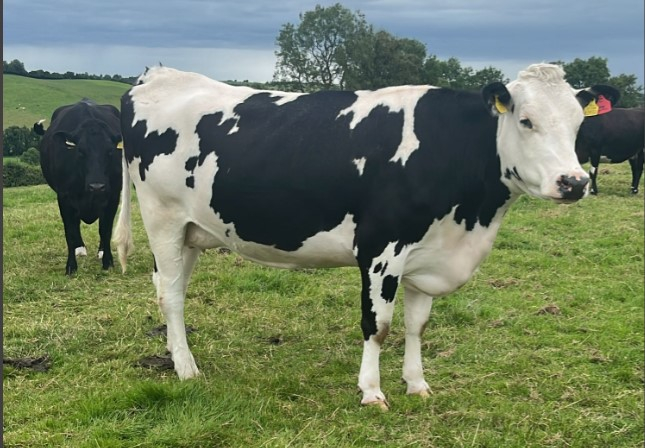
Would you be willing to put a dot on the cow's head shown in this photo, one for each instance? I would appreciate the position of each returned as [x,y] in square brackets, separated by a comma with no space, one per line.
[94,149]
[538,119]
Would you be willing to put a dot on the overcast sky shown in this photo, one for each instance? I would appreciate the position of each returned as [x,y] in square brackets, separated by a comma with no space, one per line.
[235,39]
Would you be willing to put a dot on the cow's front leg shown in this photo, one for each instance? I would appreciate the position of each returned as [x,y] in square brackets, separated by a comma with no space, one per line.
[106,223]
[636,163]
[379,284]
[417,312]
[72,225]
[593,172]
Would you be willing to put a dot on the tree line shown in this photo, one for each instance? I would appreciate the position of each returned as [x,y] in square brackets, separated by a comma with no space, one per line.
[17,67]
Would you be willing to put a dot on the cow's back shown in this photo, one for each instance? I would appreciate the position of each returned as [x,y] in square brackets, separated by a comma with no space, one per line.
[277,168]
[618,134]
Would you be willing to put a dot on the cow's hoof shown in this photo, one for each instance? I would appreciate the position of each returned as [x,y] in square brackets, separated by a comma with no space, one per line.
[634,190]
[422,393]
[185,366]
[375,399]
[419,388]
[383,405]
[594,192]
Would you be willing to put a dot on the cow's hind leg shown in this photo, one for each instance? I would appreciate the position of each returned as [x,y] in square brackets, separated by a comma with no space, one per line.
[171,282]
[417,311]
[189,259]
[636,164]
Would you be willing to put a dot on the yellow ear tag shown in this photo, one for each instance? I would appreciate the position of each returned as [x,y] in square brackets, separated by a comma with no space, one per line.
[592,109]
[499,106]
[120,145]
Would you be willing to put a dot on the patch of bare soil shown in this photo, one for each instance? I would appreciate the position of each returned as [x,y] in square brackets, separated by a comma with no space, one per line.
[41,364]
[156,362]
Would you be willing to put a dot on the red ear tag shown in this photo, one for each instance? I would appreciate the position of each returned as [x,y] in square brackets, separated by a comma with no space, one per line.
[604,105]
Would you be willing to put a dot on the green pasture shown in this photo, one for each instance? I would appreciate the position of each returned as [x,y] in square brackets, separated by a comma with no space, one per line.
[27,100]
[542,348]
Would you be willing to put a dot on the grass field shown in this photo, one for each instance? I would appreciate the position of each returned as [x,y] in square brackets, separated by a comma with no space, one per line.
[542,348]
[27,100]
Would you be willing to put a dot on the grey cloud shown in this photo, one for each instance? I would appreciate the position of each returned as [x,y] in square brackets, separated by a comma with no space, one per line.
[495,30]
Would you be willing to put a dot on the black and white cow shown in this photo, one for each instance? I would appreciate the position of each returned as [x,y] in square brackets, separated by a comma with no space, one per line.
[615,136]
[81,163]
[408,183]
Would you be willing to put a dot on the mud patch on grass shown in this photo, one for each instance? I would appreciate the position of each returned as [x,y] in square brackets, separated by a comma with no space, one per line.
[156,362]
[41,364]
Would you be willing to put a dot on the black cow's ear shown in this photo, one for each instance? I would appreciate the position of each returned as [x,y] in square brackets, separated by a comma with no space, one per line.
[39,128]
[609,92]
[584,98]
[118,141]
[497,98]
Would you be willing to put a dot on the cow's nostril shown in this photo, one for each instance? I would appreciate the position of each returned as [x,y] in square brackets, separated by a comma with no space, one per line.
[572,187]
[97,187]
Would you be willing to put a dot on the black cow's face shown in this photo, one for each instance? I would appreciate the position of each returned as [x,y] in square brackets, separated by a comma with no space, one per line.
[93,150]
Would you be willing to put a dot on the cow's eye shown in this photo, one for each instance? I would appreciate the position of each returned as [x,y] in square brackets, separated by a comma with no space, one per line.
[526,123]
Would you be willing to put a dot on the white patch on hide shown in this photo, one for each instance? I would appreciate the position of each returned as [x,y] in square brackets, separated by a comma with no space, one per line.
[396,99]
[360,165]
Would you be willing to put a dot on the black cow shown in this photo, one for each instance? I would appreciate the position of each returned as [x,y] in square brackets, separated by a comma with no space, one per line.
[409,184]
[81,162]
[615,136]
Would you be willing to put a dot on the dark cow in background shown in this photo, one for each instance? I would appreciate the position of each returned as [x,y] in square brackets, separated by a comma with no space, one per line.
[82,164]
[613,137]
[409,184]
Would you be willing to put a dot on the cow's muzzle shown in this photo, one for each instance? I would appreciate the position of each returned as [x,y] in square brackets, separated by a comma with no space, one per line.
[572,188]
[97,188]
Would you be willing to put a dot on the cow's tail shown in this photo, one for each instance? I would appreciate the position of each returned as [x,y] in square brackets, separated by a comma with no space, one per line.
[123,232]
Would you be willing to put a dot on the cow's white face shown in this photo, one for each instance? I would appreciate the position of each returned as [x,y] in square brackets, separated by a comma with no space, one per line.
[539,117]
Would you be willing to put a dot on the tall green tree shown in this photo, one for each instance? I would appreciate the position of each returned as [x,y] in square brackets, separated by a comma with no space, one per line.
[380,59]
[584,73]
[314,54]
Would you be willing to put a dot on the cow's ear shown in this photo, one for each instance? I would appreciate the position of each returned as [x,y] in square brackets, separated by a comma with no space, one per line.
[39,128]
[497,98]
[117,140]
[67,138]
[609,92]
[587,101]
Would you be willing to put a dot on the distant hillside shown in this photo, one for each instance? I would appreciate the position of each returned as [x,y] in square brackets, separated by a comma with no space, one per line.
[27,100]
